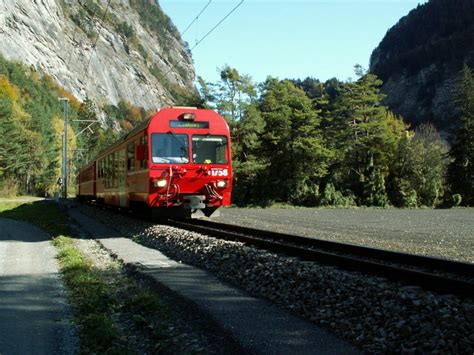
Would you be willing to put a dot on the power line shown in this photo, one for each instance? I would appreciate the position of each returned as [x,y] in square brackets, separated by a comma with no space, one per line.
[173,66]
[218,24]
[86,72]
[196,18]
[185,30]
[75,32]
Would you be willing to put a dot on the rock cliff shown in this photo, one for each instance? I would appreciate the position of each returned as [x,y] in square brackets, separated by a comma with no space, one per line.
[420,60]
[109,50]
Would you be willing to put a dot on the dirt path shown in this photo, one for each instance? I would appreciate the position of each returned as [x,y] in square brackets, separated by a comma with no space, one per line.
[34,315]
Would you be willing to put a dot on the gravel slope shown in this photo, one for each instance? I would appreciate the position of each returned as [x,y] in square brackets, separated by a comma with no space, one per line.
[441,233]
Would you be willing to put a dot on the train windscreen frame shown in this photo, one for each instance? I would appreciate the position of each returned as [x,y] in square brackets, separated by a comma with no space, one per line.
[210,149]
[169,148]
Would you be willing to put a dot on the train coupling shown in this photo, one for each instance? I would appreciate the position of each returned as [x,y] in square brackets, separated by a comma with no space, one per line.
[195,202]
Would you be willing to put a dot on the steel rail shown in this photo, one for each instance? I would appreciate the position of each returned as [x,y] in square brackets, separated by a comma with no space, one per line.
[460,280]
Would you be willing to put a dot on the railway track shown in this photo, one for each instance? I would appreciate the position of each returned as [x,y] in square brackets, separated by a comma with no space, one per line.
[428,272]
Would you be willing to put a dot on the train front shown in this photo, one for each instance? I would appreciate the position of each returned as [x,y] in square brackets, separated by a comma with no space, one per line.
[190,162]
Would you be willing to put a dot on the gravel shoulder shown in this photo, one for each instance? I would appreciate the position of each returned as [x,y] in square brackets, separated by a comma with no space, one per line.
[161,323]
[256,325]
[440,233]
[377,315]
[34,314]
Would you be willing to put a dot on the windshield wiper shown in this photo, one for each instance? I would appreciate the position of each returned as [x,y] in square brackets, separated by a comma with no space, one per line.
[183,147]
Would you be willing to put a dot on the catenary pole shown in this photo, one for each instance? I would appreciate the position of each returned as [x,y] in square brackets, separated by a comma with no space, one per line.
[64,165]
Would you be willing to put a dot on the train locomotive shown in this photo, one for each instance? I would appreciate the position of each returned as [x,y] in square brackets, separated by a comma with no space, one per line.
[175,164]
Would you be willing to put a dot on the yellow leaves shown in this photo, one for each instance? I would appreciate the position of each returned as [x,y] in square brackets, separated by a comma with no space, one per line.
[8,89]
[73,102]
[62,92]
[20,116]
[58,130]
[398,126]
[127,126]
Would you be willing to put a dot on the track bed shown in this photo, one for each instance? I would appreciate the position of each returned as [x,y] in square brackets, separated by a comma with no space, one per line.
[440,233]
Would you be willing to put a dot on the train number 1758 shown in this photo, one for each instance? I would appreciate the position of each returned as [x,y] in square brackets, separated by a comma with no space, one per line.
[219,172]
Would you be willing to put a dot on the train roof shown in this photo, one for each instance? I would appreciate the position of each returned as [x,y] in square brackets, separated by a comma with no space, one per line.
[143,125]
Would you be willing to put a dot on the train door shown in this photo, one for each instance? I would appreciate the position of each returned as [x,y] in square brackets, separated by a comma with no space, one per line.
[121,178]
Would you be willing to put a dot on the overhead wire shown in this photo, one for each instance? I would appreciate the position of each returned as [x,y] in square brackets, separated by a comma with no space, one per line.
[83,4]
[185,30]
[86,72]
[196,18]
[174,65]
[218,24]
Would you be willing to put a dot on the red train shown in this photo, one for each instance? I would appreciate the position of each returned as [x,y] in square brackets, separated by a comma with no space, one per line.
[177,163]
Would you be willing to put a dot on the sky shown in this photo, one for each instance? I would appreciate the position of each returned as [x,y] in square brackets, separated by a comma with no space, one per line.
[285,39]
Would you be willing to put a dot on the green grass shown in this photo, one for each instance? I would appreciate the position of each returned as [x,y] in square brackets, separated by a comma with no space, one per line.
[92,298]
[89,294]
[7,206]
[43,214]
[96,300]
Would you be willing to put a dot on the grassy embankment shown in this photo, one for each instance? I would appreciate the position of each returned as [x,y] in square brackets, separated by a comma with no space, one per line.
[96,300]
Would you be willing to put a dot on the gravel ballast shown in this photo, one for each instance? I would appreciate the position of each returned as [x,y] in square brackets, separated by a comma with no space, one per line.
[371,312]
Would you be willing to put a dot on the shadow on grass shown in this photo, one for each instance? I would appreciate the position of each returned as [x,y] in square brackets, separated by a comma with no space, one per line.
[45,214]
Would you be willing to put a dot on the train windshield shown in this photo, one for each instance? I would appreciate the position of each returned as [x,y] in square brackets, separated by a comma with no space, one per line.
[209,149]
[169,148]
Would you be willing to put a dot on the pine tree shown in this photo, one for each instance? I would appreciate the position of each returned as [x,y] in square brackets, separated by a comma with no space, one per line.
[233,94]
[364,134]
[292,143]
[248,164]
[461,170]
[418,170]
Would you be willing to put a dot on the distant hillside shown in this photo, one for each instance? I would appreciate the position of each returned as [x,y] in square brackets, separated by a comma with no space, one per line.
[420,58]
[108,50]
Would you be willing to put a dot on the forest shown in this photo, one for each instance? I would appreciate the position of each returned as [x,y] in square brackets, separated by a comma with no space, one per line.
[299,142]
[438,31]
[32,124]
[309,143]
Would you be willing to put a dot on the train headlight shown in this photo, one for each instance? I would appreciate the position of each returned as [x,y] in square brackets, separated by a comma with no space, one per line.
[221,184]
[160,183]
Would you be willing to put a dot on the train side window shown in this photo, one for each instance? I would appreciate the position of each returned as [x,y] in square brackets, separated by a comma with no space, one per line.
[99,170]
[110,176]
[144,162]
[106,171]
[115,169]
[131,156]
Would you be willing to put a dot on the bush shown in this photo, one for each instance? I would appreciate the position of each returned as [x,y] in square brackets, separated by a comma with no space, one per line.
[306,194]
[405,195]
[8,188]
[456,199]
[374,189]
[125,29]
[333,197]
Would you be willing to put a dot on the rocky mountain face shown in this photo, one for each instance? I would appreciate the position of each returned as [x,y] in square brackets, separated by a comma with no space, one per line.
[108,50]
[420,60]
